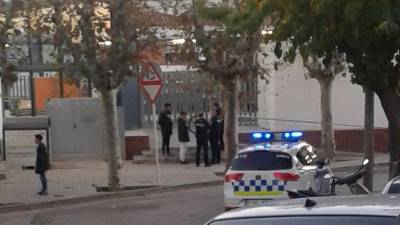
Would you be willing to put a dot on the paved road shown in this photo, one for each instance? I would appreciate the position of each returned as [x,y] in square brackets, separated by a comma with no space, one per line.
[189,207]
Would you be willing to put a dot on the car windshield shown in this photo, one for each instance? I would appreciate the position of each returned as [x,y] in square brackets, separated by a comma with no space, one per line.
[307,155]
[395,188]
[262,160]
[314,220]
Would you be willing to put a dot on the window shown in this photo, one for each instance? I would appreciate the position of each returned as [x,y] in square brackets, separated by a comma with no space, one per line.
[395,187]
[307,155]
[312,220]
[262,160]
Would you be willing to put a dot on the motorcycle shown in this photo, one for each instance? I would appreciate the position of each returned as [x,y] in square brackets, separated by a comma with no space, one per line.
[350,180]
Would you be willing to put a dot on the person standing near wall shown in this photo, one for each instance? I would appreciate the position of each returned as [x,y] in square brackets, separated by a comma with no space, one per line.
[215,136]
[42,163]
[221,131]
[183,136]
[165,122]
[219,112]
[202,137]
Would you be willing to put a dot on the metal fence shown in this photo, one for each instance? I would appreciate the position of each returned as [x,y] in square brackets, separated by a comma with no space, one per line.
[17,97]
[194,93]
[21,88]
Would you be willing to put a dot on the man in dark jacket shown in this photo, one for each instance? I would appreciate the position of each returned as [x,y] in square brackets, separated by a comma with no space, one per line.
[42,163]
[166,124]
[218,110]
[215,136]
[202,135]
[183,136]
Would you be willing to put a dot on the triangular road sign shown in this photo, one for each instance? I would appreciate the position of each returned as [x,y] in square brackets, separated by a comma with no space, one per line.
[151,83]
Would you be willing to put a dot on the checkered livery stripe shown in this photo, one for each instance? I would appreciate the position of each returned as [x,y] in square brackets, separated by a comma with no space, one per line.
[259,187]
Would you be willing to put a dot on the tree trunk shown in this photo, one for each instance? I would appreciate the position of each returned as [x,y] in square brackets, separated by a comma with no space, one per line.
[2,94]
[369,138]
[111,130]
[394,148]
[328,145]
[231,120]
[390,101]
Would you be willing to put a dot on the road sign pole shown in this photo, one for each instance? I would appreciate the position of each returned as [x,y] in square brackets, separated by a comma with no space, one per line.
[151,85]
[156,144]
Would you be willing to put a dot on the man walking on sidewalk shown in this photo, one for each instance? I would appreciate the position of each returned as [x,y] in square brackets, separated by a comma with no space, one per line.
[166,124]
[42,163]
[183,135]
[202,135]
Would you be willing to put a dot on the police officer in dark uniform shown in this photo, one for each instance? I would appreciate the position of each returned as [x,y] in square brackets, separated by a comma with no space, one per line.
[215,137]
[218,110]
[165,122]
[202,135]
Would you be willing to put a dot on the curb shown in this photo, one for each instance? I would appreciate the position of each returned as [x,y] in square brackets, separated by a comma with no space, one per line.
[106,196]
[352,168]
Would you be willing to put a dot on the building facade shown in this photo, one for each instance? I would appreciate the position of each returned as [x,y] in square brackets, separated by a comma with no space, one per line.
[290,101]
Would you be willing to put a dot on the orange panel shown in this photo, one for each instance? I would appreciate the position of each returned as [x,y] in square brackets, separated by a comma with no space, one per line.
[48,87]
[70,90]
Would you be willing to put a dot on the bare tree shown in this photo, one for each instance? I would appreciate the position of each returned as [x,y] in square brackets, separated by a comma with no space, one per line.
[102,37]
[227,51]
[325,74]
[9,11]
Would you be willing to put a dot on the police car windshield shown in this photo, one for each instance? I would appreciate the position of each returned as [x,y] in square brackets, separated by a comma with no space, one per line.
[314,220]
[262,160]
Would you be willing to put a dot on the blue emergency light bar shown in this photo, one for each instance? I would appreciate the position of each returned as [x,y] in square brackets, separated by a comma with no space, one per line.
[263,136]
[289,136]
[257,135]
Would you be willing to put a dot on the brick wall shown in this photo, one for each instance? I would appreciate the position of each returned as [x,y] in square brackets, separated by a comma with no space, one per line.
[134,145]
[346,140]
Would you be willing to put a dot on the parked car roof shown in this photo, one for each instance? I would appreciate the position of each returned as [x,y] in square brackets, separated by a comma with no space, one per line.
[380,205]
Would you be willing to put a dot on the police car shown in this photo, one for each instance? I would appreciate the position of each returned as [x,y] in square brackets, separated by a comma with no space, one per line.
[263,171]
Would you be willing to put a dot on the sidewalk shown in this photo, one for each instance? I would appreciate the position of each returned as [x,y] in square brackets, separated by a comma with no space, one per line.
[78,179]
[355,160]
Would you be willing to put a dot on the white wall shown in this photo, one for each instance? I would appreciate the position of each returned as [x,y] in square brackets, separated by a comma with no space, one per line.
[290,96]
